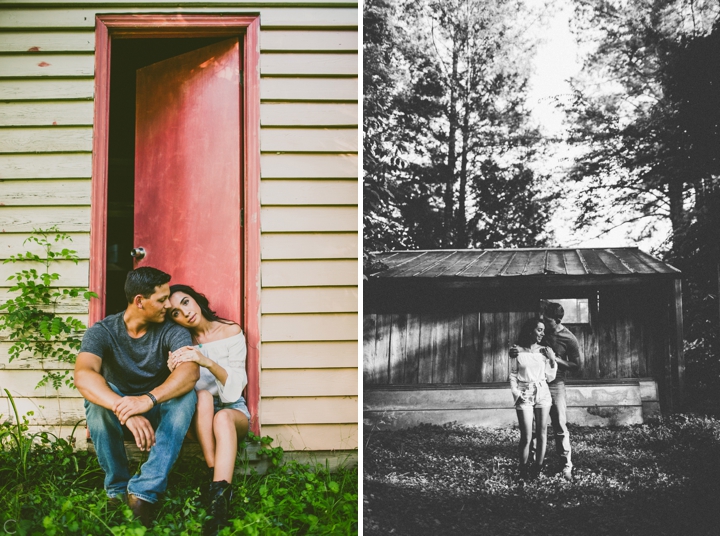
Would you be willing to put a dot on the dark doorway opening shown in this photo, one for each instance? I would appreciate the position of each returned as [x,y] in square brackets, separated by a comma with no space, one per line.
[129,55]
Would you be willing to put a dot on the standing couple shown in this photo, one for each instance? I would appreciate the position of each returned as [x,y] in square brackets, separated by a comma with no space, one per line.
[545,352]
[139,370]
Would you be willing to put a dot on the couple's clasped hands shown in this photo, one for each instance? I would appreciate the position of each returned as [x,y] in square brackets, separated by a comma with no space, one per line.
[129,409]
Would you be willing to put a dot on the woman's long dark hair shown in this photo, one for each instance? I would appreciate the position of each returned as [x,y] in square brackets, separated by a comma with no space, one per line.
[202,301]
[527,332]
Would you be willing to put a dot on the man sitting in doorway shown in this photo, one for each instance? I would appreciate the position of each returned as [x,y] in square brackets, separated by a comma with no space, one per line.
[567,356]
[122,373]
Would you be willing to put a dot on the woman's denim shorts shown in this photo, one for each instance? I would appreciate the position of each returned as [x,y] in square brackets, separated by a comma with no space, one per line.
[536,395]
[239,405]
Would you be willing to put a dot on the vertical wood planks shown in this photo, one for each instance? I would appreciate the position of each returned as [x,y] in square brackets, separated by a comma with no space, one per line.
[398,348]
[471,350]
[487,334]
[369,342]
[607,362]
[382,355]
[500,346]
[414,349]
[454,341]
[427,320]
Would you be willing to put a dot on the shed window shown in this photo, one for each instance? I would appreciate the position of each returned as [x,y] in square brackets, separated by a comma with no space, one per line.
[577,310]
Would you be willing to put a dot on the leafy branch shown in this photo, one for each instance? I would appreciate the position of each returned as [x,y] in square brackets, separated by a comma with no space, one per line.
[31,318]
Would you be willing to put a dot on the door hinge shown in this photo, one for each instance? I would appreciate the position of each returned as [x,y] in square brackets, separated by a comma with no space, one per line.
[242,80]
[242,217]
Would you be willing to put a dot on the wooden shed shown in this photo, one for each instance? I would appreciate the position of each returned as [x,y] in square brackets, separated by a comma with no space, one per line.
[221,137]
[438,324]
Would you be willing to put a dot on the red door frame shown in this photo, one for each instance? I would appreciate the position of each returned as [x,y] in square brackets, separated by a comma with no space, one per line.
[247,28]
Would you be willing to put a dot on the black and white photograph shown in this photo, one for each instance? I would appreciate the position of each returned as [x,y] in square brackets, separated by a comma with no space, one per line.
[541,267]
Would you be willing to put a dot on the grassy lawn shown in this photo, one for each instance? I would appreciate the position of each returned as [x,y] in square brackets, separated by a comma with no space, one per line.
[47,488]
[660,478]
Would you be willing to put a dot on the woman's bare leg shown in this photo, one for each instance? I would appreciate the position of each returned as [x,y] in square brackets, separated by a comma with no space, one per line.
[202,425]
[229,427]
[525,419]
[541,419]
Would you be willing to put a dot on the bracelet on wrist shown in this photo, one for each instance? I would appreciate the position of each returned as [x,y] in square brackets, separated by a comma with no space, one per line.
[152,397]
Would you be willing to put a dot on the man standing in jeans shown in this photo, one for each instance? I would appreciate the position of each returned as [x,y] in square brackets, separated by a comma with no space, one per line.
[122,373]
[567,352]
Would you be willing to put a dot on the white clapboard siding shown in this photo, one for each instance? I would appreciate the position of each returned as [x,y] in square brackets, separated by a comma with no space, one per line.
[26,362]
[312,382]
[310,300]
[306,89]
[309,437]
[26,219]
[305,114]
[304,166]
[304,40]
[24,90]
[43,192]
[309,64]
[62,113]
[46,411]
[39,42]
[303,219]
[65,305]
[306,140]
[45,140]
[44,65]
[307,410]
[309,273]
[309,327]
[71,274]
[12,244]
[24,381]
[46,166]
[309,192]
[311,354]
[309,246]
[82,17]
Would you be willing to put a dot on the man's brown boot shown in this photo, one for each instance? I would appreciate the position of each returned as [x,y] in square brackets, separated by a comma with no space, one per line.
[143,510]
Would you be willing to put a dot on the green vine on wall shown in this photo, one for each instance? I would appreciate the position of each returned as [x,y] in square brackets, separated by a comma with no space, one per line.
[31,318]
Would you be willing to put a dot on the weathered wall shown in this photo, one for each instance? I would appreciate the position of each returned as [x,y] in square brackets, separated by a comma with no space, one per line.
[460,338]
[308,192]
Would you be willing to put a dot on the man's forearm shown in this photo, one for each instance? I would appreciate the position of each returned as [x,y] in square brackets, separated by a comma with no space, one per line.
[182,380]
[93,387]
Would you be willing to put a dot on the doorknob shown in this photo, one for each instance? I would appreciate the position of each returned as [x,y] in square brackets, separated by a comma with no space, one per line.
[138,253]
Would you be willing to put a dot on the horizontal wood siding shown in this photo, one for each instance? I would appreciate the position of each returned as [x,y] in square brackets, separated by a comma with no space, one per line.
[308,193]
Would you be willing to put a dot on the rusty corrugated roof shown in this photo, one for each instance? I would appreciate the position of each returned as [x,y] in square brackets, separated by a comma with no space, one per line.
[469,263]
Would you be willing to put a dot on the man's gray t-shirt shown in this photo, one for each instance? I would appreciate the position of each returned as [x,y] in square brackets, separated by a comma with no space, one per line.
[134,366]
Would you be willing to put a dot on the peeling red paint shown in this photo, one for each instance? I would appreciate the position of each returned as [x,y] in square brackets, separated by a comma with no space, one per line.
[34,49]
[43,64]
[54,122]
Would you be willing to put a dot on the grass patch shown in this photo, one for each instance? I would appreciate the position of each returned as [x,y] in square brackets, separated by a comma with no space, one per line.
[659,478]
[48,488]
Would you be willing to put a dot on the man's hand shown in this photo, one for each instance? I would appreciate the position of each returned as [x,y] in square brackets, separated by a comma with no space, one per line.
[142,430]
[128,406]
[513,352]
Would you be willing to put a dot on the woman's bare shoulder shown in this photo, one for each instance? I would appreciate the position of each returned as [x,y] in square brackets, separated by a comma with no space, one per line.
[230,330]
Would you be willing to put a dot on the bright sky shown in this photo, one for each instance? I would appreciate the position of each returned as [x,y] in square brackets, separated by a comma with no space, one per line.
[556,62]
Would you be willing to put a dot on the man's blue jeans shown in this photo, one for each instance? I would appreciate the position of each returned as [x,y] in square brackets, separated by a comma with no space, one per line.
[558,419]
[170,419]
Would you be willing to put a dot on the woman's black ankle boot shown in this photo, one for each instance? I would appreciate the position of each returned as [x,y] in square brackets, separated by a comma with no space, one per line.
[220,496]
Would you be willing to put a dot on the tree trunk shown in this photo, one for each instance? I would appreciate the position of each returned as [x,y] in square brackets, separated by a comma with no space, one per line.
[461,233]
[449,197]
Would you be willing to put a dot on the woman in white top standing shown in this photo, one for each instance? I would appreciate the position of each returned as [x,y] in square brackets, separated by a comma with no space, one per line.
[529,373]
[222,418]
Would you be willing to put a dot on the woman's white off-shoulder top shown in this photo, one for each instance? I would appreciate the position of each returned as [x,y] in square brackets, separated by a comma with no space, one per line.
[230,354]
